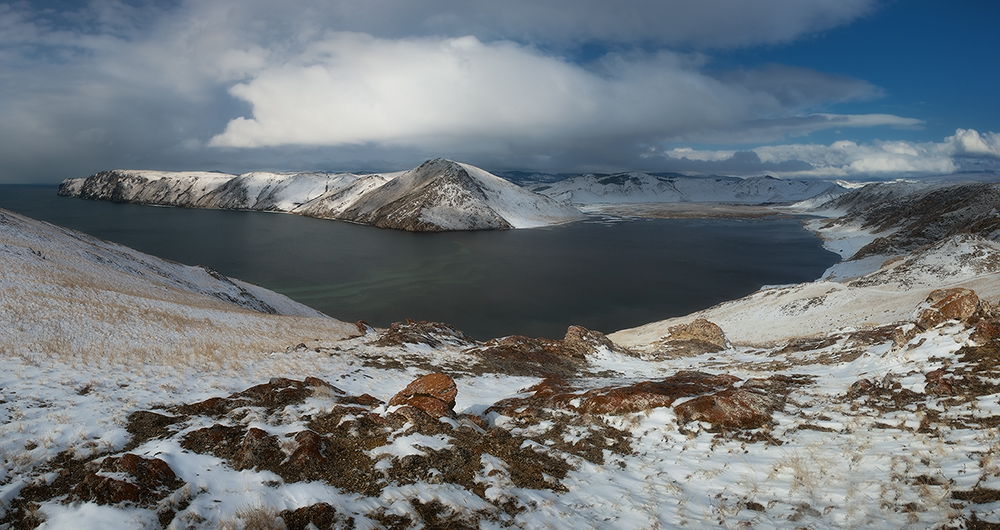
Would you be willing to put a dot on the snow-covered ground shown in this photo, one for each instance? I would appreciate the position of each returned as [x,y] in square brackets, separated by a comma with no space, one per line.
[828,407]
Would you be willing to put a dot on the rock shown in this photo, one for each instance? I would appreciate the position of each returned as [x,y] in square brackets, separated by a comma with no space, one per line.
[695,338]
[957,303]
[580,341]
[520,355]
[433,393]
[433,334]
[936,384]
[700,330]
[146,481]
[364,328]
[258,450]
[986,331]
[730,409]
[651,394]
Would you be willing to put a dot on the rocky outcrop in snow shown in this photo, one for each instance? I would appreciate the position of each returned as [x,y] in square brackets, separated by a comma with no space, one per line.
[440,195]
[904,216]
[635,187]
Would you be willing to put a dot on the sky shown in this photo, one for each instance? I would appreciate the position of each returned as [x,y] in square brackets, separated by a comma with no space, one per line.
[832,89]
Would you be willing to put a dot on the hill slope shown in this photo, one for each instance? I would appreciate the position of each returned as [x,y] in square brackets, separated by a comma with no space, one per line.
[636,187]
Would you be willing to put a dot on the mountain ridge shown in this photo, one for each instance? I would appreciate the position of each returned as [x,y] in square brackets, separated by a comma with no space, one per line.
[439,195]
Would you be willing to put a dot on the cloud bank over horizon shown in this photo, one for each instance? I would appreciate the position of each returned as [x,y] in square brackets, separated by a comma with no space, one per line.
[553,86]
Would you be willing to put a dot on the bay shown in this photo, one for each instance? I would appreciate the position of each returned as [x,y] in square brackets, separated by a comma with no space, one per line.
[603,274]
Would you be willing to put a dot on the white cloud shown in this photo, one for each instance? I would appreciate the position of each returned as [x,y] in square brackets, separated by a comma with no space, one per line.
[966,149]
[351,88]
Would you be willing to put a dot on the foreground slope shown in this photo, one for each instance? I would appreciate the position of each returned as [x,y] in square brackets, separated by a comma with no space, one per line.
[886,423]
[66,293]
[440,195]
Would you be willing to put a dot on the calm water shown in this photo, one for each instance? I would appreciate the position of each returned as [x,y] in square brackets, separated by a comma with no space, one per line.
[602,275]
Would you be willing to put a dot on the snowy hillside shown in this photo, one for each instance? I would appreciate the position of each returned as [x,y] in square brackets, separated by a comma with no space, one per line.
[868,400]
[68,293]
[439,195]
[635,187]
[445,195]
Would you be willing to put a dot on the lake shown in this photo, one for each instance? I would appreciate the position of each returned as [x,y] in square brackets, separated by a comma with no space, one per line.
[604,274]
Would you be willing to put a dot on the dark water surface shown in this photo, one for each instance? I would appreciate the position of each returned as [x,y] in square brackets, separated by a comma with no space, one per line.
[602,275]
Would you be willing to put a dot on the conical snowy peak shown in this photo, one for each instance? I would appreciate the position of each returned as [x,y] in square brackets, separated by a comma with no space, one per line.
[442,195]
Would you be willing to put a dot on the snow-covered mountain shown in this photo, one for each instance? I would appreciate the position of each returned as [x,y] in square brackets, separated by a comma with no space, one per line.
[446,195]
[439,195]
[636,187]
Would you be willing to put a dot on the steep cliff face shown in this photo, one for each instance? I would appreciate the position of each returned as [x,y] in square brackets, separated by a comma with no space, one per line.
[440,195]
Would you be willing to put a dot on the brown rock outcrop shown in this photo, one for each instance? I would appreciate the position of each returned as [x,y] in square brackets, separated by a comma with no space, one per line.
[700,330]
[644,395]
[730,409]
[957,303]
[433,393]
[519,355]
[694,338]
[147,481]
[433,334]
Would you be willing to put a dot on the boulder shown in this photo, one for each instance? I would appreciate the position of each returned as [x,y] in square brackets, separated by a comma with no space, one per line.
[647,395]
[138,480]
[694,338]
[520,355]
[937,383]
[580,341]
[433,393]
[700,330]
[957,303]
[433,334]
[730,409]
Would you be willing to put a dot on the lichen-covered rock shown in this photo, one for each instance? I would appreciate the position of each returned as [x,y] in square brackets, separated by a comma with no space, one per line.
[139,480]
[957,303]
[694,338]
[647,395]
[433,393]
[433,334]
[580,342]
[618,399]
[700,330]
[730,409]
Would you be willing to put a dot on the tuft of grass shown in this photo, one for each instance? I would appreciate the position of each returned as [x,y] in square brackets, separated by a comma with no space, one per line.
[254,517]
